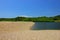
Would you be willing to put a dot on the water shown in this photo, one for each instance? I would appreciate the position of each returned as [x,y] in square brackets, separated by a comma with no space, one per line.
[46,26]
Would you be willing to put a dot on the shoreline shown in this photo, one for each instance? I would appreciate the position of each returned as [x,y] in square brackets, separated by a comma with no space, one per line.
[12,31]
[15,26]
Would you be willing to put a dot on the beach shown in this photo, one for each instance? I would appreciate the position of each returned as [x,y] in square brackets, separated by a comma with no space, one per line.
[21,31]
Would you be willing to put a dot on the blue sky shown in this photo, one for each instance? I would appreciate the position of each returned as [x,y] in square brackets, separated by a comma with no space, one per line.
[13,8]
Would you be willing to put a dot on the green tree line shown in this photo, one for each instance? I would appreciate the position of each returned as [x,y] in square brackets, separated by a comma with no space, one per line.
[34,19]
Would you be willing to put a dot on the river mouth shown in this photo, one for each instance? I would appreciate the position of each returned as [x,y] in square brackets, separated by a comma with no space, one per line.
[46,26]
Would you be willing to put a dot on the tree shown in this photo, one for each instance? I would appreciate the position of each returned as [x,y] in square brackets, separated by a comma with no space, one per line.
[56,17]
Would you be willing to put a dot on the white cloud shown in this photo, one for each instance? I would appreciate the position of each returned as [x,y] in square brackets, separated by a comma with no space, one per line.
[24,16]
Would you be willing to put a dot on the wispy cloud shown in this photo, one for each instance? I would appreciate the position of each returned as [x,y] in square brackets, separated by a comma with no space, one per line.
[24,16]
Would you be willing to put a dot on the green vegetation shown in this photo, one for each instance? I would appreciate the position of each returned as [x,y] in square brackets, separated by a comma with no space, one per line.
[34,19]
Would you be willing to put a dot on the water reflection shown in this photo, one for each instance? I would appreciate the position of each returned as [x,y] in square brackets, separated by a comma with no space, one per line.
[46,26]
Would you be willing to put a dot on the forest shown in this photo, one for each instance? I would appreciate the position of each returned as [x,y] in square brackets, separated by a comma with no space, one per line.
[34,19]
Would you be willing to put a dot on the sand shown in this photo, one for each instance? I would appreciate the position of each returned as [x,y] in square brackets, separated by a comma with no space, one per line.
[31,35]
[9,31]
[15,26]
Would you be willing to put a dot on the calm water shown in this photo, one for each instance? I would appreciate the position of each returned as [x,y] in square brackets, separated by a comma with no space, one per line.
[46,26]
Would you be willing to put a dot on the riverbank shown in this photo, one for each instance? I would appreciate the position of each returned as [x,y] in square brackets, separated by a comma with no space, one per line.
[15,26]
[21,31]
[57,20]
[33,19]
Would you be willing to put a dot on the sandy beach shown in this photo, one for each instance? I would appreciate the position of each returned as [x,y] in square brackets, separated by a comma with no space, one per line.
[31,35]
[13,31]
[15,26]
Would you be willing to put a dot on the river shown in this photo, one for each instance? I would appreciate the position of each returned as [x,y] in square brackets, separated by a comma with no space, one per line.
[46,26]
